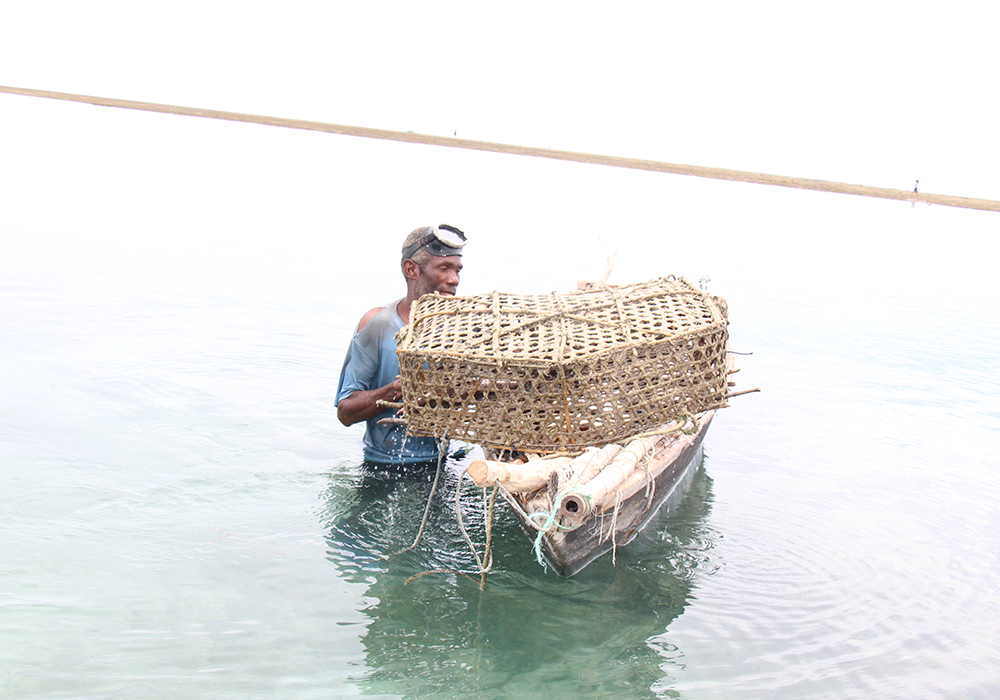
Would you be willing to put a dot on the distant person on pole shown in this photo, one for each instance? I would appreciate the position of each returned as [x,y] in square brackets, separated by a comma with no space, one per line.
[431,262]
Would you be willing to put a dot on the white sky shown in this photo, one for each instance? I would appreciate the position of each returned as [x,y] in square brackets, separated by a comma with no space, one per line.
[874,93]
[870,92]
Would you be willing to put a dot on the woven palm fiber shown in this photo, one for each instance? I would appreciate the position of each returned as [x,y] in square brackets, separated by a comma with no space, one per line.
[544,373]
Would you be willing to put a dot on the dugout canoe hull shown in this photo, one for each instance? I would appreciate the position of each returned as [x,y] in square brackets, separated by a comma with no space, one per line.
[671,469]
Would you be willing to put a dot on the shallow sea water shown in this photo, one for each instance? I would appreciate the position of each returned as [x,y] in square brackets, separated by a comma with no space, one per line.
[184,517]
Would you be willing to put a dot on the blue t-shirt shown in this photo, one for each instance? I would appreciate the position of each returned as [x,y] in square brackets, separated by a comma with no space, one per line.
[371,363]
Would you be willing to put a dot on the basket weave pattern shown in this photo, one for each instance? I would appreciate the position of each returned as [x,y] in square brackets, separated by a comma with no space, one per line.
[544,373]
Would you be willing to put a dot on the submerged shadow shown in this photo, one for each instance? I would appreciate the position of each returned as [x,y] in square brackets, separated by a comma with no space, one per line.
[530,629]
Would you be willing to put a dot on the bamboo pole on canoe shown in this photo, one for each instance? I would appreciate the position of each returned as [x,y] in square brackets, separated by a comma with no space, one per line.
[578,501]
[591,158]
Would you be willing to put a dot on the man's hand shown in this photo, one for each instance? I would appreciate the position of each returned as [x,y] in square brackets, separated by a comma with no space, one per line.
[362,405]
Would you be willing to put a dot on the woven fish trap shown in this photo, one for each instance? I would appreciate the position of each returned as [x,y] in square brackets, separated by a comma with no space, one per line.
[545,373]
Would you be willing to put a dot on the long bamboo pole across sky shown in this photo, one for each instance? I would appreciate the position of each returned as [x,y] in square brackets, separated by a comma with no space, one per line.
[451,142]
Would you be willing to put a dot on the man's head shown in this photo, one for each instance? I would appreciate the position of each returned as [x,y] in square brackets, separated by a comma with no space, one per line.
[432,260]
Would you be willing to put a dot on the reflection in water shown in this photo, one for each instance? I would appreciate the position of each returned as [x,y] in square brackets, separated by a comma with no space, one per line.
[530,632]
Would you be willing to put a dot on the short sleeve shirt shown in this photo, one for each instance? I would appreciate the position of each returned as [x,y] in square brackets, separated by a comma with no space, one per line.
[371,363]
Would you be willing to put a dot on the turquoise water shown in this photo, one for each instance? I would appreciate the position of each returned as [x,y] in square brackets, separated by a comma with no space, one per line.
[184,517]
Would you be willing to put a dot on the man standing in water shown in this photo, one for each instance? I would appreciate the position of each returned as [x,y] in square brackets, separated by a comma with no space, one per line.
[431,262]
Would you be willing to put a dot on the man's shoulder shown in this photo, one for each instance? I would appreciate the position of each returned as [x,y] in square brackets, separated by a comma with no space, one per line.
[379,316]
[372,313]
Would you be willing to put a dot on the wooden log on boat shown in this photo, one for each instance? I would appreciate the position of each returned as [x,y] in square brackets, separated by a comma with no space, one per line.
[601,459]
[513,477]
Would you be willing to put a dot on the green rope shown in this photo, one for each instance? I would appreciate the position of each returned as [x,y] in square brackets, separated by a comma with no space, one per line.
[547,526]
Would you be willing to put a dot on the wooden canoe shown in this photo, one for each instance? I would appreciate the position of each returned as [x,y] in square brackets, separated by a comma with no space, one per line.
[572,523]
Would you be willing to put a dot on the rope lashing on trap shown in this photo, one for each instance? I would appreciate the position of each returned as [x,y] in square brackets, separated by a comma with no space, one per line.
[561,372]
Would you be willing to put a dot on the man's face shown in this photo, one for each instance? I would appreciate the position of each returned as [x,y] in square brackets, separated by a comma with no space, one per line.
[439,275]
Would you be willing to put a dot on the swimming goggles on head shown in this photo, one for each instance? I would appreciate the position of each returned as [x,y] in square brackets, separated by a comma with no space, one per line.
[440,241]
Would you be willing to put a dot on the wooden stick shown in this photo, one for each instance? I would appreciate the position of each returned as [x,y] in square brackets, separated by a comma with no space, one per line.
[740,393]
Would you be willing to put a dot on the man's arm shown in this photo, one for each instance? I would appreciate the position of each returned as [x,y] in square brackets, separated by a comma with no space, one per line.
[361,405]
